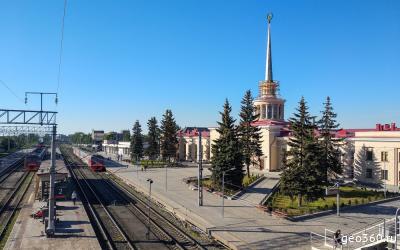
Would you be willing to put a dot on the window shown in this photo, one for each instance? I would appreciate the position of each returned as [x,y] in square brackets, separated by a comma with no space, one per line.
[384,174]
[369,154]
[369,173]
[384,156]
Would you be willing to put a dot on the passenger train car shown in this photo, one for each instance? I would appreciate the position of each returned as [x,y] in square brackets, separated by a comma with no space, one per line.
[95,162]
[33,160]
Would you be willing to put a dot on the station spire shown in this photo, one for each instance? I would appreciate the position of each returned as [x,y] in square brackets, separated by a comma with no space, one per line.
[268,64]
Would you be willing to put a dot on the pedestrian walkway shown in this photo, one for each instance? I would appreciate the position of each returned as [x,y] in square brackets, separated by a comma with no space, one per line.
[254,195]
[73,231]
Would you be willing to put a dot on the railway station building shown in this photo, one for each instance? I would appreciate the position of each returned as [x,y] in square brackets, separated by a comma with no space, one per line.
[270,107]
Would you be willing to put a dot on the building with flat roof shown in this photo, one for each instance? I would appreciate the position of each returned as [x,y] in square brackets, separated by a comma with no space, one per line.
[97,136]
[372,156]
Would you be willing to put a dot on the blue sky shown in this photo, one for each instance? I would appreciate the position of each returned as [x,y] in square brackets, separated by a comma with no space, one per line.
[128,60]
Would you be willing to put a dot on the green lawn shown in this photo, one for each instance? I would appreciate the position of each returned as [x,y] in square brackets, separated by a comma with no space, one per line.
[348,196]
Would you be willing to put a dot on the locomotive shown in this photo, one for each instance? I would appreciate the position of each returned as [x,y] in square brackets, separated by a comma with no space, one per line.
[95,162]
[33,160]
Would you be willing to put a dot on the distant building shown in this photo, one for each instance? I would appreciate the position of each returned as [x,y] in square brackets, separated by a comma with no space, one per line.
[188,139]
[112,147]
[97,136]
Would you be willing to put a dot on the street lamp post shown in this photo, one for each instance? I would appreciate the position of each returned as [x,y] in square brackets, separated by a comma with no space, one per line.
[223,193]
[150,181]
[166,177]
[200,171]
[223,190]
[384,174]
[337,198]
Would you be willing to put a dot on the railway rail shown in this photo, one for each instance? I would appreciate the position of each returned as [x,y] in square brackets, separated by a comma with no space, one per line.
[11,202]
[7,171]
[108,230]
[129,214]
[163,220]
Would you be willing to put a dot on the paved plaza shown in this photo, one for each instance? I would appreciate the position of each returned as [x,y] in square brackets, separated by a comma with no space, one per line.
[243,225]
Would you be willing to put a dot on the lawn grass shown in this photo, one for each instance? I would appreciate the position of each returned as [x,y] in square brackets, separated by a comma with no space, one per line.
[349,196]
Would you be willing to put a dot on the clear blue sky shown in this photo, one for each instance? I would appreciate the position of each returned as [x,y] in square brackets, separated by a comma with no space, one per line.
[128,60]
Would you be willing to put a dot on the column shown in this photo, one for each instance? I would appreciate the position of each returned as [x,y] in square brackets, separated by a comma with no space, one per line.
[187,150]
[273,107]
[269,111]
[263,111]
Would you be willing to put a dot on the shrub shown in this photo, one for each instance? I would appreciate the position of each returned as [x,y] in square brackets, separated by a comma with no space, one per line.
[342,204]
[333,205]
[247,181]
[356,202]
[349,202]
[326,207]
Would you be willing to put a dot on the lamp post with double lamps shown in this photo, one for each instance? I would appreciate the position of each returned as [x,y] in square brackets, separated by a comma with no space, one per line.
[150,181]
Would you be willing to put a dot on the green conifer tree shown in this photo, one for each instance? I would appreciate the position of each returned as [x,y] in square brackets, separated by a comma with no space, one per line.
[330,145]
[227,153]
[153,138]
[136,142]
[302,173]
[169,140]
[250,136]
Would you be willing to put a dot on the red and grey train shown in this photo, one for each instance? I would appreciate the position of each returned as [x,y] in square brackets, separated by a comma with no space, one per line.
[33,160]
[95,162]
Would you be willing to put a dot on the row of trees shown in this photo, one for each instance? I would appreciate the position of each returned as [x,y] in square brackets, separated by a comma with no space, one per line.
[80,138]
[237,145]
[18,142]
[313,156]
[161,140]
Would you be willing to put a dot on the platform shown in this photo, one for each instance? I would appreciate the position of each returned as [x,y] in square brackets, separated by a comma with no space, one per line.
[243,225]
[73,231]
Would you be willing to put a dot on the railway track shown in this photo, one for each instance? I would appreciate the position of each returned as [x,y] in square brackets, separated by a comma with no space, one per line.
[164,223]
[5,173]
[11,202]
[130,215]
[108,230]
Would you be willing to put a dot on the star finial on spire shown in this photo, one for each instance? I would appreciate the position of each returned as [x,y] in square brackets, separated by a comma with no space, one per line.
[269,17]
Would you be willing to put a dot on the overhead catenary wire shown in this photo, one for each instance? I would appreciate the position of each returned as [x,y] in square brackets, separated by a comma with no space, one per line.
[61,47]
[11,91]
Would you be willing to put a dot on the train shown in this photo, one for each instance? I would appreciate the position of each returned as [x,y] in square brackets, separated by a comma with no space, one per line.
[34,159]
[94,161]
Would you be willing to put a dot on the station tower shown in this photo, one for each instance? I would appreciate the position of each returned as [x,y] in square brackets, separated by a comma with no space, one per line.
[268,105]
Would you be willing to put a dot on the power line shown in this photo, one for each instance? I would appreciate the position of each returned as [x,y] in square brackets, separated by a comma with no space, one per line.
[61,47]
[11,91]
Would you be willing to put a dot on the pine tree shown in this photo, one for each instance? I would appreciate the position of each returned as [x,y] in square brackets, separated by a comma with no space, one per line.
[169,140]
[136,142]
[302,173]
[250,136]
[153,137]
[227,154]
[330,145]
